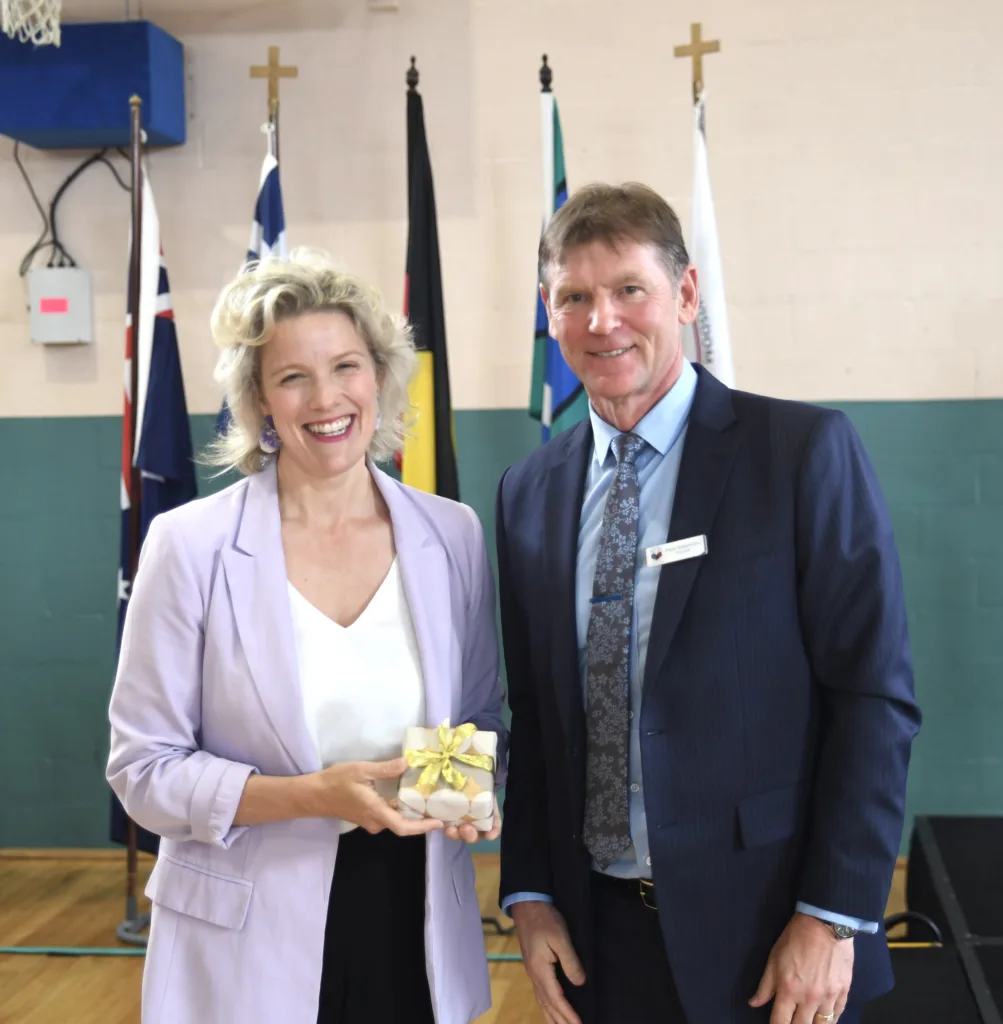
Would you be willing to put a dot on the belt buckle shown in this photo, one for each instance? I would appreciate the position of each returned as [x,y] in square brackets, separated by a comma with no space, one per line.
[647,888]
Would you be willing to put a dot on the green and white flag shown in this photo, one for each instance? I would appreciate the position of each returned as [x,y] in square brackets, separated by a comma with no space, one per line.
[557,398]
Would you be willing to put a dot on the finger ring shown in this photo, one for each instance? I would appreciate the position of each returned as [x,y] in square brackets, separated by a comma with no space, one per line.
[825,1016]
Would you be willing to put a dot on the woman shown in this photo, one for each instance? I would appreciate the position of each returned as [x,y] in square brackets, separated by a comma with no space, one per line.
[281,636]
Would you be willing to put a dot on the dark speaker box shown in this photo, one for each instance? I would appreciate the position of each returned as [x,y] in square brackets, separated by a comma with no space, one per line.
[955,880]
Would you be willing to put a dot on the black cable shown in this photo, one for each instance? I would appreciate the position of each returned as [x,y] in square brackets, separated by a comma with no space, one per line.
[111,167]
[59,250]
[41,243]
[60,257]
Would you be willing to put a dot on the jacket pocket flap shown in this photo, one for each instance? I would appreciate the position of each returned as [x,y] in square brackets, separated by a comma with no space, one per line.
[187,889]
[770,817]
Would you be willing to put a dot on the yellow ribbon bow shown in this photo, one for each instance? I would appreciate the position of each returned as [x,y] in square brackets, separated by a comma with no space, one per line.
[436,762]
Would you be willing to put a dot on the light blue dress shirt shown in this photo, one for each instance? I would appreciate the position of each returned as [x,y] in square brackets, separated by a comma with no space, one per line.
[664,430]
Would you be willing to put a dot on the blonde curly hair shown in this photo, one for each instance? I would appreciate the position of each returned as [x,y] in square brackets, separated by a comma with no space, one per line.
[264,293]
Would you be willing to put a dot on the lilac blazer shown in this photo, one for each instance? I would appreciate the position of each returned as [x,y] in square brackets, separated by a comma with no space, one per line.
[207,693]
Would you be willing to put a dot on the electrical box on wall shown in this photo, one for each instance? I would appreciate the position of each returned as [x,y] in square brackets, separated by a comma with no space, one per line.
[60,306]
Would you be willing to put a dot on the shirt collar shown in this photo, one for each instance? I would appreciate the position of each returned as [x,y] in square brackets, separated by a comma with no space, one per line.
[660,426]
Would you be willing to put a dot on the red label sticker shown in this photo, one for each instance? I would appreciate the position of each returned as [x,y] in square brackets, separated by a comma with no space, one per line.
[53,305]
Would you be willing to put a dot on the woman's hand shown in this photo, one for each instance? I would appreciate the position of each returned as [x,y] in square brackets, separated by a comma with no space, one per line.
[347,791]
[470,835]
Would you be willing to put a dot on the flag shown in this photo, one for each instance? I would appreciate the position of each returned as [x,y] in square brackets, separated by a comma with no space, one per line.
[268,232]
[557,398]
[163,445]
[707,341]
[429,459]
[268,235]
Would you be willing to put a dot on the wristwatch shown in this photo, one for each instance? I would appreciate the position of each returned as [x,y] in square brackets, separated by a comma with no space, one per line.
[841,931]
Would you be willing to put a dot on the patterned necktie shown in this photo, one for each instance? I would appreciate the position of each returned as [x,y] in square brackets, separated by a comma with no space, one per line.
[607,818]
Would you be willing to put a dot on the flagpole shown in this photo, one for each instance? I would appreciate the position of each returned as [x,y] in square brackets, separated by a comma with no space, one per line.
[273,127]
[707,340]
[547,127]
[273,71]
[412,86]
[546,402]
[135,481]
[697,48]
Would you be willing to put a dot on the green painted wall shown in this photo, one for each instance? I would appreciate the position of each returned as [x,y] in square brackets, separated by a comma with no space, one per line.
[941,464]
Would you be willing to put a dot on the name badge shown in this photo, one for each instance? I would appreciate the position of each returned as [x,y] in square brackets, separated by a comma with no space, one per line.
[677,551]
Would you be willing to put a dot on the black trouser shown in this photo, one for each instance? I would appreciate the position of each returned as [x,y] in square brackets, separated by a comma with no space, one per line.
[632,979]
[374,947]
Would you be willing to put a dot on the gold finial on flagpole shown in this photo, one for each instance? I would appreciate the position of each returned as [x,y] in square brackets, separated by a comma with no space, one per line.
[696,48]
[273,71]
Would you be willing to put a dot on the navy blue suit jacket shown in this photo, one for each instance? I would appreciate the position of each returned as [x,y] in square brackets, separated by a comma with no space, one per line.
[778,709]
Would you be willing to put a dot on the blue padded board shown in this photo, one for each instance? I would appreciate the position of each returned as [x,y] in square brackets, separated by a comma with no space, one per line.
[76,95]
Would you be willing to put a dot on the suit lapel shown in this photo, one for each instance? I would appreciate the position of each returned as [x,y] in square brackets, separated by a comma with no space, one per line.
[425,575]
[255,569]
[562,511]
[711,440]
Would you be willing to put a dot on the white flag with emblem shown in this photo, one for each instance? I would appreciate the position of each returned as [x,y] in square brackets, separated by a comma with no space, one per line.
[707,341]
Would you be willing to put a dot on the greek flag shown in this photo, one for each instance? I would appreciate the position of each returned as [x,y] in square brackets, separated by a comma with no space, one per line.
[268,236]
[268,232]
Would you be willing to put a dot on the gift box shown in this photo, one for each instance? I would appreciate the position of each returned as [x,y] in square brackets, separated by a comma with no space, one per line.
[451,775]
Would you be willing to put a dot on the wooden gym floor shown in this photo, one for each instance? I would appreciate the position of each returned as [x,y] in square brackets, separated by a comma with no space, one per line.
[70,898]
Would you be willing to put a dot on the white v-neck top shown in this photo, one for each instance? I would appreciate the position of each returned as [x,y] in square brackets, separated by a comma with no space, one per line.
[362,684]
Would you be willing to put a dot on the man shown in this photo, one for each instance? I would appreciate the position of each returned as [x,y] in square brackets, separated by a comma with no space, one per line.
[708,666]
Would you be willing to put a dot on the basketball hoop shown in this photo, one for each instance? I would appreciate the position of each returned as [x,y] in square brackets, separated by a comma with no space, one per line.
[32,21]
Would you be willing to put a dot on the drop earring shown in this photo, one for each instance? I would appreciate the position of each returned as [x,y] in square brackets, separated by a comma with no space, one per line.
[269,441]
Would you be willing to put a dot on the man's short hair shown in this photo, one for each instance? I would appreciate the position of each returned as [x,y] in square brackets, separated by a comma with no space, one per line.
[612,214]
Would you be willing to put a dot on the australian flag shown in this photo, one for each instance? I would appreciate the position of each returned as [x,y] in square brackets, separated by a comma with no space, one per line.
[268,235]
[163,446]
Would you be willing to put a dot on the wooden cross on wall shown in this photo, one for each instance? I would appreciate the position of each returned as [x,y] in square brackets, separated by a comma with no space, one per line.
[273,71]
[696,49]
